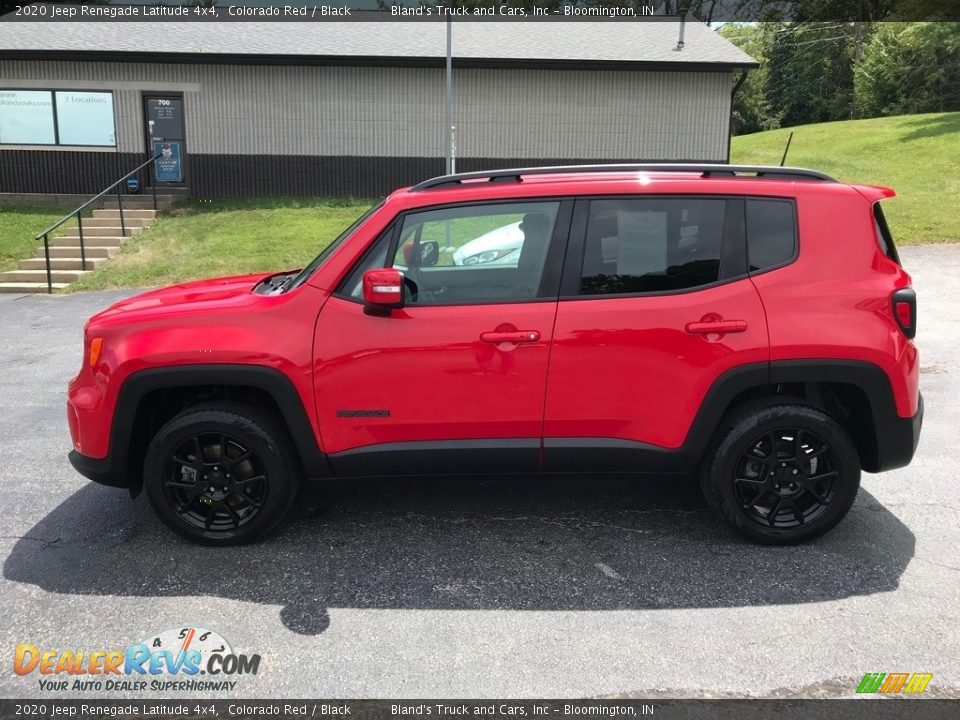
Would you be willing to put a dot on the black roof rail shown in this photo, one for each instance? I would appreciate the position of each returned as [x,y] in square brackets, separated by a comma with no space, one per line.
[705,170]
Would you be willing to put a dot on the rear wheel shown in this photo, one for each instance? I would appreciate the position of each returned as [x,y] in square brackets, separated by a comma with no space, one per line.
[782,473]
[221,473]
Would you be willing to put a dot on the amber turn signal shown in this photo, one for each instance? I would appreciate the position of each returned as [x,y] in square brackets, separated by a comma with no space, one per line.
[96,345]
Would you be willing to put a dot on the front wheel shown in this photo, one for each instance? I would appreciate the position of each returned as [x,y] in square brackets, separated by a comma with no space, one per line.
[221,473]
[782,473]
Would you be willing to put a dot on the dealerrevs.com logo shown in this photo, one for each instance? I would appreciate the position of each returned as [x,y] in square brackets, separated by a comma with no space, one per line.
[188,659]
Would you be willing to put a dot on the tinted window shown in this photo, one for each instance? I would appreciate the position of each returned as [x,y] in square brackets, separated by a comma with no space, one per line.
[771,233]
[467,254]
[884,238]
[652,245]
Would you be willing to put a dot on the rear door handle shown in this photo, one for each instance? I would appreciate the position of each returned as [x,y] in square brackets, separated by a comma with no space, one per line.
[715,327]
[516,337]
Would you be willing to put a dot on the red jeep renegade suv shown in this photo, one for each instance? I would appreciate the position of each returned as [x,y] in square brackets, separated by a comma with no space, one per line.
[751,323]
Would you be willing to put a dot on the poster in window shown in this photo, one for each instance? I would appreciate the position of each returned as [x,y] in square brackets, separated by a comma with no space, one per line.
[642,241]
[168,167]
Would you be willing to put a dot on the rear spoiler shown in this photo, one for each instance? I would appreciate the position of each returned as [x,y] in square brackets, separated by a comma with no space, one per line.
[873,193]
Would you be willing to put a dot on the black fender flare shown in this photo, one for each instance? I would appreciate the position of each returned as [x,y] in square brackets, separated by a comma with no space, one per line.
[267,379]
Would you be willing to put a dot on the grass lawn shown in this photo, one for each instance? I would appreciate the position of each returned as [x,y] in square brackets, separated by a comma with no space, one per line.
[916,155]
[201,239]
[18,226]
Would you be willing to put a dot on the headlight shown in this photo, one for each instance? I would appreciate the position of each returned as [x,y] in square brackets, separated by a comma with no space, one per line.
[487,256]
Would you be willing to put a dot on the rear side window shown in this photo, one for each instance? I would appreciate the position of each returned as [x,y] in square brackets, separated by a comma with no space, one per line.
[771,233]
[652,245]
[884,238]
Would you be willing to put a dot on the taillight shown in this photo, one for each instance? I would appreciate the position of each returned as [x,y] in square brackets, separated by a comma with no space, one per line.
[905,311]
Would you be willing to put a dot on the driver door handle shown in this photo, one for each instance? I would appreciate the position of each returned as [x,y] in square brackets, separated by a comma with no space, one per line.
[710,327]
[515,336]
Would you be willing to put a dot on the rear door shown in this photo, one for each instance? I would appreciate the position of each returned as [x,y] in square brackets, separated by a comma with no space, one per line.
[655,305]
[455,380]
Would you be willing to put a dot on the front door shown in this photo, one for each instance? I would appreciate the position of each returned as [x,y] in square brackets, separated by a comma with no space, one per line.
[166,138]
[455,380]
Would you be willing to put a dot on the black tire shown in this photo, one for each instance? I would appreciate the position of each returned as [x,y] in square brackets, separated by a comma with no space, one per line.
[246,461]
[781,472]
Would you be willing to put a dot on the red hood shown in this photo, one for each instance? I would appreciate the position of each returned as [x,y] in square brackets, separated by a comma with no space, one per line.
[199,295]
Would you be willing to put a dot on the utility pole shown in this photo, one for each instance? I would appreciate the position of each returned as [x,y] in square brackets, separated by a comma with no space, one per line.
[858,49]
[448,131]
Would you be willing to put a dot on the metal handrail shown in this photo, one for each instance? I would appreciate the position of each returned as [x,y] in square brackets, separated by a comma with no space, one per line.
[76,213]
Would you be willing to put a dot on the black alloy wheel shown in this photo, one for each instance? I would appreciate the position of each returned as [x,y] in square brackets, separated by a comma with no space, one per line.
[222,472]
[781,470]
[786,478]
[215,482]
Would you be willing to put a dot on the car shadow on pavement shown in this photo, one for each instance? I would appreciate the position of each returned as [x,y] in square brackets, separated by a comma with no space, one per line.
[476,544]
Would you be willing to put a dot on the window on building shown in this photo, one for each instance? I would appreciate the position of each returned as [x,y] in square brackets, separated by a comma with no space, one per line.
[85,118]
[60,117]
[26,117]
[771,233]
[652,245]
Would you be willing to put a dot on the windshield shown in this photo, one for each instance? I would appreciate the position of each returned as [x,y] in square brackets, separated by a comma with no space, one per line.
[328,250]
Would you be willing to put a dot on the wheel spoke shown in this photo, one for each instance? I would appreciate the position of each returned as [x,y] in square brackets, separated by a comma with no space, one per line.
[797,445]
[231,512]
[774,510]
[796,512]
[249,480]
[831,474]
[231,462]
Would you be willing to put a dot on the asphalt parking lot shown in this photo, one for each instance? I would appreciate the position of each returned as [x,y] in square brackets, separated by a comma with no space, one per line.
[446,588]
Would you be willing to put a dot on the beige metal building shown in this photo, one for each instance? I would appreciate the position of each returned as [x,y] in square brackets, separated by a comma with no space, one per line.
[350,108]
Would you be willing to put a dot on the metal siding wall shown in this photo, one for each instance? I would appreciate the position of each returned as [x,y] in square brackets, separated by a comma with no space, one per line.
[599,114]
[397,112]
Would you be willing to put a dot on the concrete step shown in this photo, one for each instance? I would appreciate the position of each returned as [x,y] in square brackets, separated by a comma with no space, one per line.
[40,276]
[102,232]
[28,287]
[68,263]
[127,213]
[73,251]
[100,222]
[89,240]
[140,203]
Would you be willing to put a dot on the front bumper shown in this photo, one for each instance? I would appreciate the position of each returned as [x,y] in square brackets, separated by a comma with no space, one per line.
[897,439]
[100,471]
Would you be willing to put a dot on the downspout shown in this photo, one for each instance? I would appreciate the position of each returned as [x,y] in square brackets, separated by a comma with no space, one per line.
[733,94]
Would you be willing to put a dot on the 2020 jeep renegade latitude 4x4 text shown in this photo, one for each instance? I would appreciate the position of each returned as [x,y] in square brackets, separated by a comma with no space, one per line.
[750,323]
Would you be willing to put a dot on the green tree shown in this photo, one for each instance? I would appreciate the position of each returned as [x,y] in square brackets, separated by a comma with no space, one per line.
[751,112]
[909,68]
[809,72]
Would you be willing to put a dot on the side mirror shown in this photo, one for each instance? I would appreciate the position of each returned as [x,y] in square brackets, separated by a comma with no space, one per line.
[429,253]
[383,288]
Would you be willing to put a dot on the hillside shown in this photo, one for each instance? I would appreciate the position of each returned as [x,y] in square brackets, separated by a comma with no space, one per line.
[916,155]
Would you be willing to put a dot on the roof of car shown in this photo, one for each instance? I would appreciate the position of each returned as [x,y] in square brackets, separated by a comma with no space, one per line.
[577,44]
[620,179]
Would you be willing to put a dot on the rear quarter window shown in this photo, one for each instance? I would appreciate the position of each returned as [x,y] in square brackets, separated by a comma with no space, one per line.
[771,233]
[882,231]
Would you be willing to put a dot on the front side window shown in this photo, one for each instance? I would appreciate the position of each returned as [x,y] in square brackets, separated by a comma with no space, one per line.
[651,245]
[466,254]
